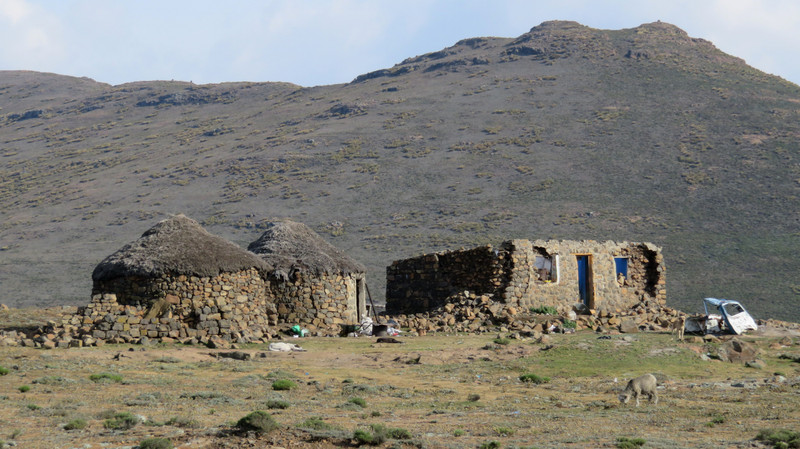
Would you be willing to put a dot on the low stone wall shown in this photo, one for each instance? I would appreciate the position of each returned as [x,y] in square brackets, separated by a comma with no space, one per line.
[319,303]
[423,283]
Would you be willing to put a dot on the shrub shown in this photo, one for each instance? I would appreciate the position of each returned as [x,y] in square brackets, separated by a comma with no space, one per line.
[474,397]
[458,433]
[283,384]
[501,341]
[156,443]
[3,371]
[534,378]
[121,421]
[24,389]
[780,438]
[75,424]
[544,310]
[33,407]
[358,401]
[380,433]
[490,445]
[257,421]
[630,443]
[177,421]
[277,404]
[504,431]
[105,377]
[316,423]
[569,324]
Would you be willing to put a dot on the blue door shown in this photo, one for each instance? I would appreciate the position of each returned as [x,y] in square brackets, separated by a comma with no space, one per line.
[584,280]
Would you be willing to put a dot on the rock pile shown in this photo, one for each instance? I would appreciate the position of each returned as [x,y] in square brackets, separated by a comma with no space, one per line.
[470,312]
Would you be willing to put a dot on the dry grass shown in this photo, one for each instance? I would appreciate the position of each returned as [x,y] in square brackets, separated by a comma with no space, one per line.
[427,386]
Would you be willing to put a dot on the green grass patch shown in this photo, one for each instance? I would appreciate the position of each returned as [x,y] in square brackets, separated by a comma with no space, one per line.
[780,438]
[544,310]
[106,377]
[3,371]
[24,388]
[534,378]
[156,443]
[75,424]
[630,443]
[283,385]
[121,421]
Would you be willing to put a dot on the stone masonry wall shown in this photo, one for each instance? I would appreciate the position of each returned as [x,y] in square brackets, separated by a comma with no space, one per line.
[426,282]
[232,306]
[323,302]
[646,274]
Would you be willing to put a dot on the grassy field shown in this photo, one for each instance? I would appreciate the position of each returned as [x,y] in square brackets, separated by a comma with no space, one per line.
[442,391]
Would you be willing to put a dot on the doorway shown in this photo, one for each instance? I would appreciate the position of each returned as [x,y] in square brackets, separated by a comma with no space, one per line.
[585,283]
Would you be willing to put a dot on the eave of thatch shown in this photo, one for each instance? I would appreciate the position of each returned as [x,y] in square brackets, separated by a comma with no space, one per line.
[290,246]
[177,245]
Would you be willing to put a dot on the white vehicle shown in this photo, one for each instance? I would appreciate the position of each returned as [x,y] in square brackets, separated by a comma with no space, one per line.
[721,315]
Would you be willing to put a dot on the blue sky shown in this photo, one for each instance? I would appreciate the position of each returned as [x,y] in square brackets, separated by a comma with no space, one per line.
[327,42]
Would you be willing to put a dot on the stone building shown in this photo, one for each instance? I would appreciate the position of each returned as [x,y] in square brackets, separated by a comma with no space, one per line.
[605,276]
[311,282]
[177,281]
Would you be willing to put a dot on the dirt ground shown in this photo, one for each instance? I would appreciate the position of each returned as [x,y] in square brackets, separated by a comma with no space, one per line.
[446,391]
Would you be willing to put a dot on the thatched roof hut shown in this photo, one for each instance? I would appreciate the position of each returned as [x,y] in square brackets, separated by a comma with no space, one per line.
[177,245]
[290,246]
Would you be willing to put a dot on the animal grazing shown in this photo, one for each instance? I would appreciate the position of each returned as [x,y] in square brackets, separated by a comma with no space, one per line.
[642,385]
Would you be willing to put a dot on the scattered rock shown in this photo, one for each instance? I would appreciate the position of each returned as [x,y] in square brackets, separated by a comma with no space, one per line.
[737,351]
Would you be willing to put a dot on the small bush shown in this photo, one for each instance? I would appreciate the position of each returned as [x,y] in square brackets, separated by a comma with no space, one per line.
[156,443]
[630,443]
[33,407]
[283,385]
[458,433]
[105,377]
[24,388]
[121,421]
[534,378]
[3,371]
[257,421]
[501,341]
[474,397]
[366,437]
[504,431]
[490,445]
[544,310]
[273,404]
[178,421]
[358,401]
[379,434]
[569,324]
[75,424]
[316,423]
[780,438]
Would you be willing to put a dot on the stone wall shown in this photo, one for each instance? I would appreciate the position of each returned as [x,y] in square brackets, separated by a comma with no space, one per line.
[320,302]
[528,274]
[232,306]
[646,274]
[423,283]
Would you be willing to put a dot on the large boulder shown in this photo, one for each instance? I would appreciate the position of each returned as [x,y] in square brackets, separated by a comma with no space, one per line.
[737,351]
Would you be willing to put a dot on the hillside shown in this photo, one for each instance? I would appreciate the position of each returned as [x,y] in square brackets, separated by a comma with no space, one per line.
[563,132]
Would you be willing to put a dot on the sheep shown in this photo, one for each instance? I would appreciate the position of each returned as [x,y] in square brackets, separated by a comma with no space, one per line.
[645,384]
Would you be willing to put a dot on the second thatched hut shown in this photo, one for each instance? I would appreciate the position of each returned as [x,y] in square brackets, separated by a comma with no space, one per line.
[312,283]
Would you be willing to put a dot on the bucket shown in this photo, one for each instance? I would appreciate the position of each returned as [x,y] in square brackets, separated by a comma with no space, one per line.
[380,330]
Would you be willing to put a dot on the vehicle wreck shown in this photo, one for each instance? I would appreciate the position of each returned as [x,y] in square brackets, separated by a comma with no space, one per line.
[721,316]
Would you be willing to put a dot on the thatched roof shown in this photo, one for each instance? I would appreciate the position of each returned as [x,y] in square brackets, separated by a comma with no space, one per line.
[289,246]
[177,245]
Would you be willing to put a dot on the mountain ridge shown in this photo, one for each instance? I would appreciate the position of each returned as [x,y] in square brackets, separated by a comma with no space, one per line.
[563,132]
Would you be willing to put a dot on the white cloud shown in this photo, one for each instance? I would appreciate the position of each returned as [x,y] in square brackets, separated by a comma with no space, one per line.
[14,10]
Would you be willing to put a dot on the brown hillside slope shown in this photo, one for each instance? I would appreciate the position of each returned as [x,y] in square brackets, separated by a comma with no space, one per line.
[642,134]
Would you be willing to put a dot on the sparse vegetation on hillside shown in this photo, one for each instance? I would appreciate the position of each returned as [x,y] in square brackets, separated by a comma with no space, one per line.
[642,134]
